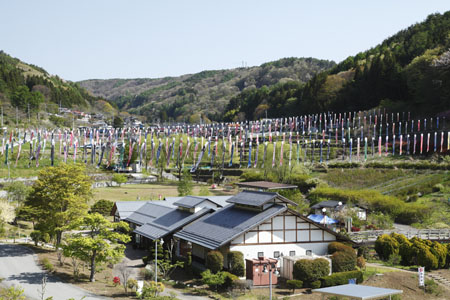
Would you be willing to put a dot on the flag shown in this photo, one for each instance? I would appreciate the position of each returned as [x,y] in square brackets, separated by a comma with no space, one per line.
[195,167]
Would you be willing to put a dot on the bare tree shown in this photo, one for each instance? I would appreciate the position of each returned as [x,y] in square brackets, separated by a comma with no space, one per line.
[124,273]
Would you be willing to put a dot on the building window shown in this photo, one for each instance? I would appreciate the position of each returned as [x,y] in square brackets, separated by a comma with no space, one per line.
[291,253]
[260,254]
[309,252]
[276,254]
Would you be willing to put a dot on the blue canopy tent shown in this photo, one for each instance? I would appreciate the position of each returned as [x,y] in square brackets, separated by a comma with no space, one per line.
[323,219]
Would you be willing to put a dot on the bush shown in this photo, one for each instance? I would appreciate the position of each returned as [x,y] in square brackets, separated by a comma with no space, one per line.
[294,284]
[394,260]
[147,274]
[342,278]
[438,187]
[336,246]
[214,281]
[119,178]
[102,207]
[132,284]
[47,264]
[310,270]
[343,261]
[315,284]
[364,252]
[361,262]
[228,280]
[252,176]
[214,261]
[236,263]
[385,246]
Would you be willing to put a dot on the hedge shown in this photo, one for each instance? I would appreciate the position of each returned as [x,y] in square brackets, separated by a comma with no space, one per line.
[343,261]
[310,270]
[336,246]
[214,261]
[385,246]
[415,251]
[294,284]
[236,263]
[342,278]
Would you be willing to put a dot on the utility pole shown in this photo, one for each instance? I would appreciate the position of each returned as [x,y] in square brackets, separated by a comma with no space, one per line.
[2,115]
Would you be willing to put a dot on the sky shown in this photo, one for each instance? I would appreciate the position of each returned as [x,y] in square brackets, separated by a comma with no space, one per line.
[102,39]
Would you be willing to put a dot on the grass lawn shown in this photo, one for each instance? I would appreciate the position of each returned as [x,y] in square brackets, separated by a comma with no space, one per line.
[133,192]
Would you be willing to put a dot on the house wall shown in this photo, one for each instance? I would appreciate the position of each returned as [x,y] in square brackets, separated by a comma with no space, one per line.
[283,233]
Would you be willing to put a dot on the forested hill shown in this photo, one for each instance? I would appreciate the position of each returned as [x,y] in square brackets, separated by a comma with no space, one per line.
[30,88]
[204,94]
[410,70]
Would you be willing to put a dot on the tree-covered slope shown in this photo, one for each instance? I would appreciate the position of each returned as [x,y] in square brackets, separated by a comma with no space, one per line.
[31,88]
[410,70]
[204,94]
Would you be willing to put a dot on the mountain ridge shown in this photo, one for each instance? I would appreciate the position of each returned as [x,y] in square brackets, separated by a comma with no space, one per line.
[204,94]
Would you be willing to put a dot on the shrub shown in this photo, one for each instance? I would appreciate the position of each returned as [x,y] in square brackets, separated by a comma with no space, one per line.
[440,251]
[438,187]
[394,260]
[431,287]
[309,270]
[119,178]
[102,207]
[363,251]
[236,263]
[252,176]
[337,246]
[116,281]
[341,278]
[343,261]
[47,264]
[294,284]
[36,236]
[315,284]
[385,246]
[228,280]
[214,281]
[147,274]
[214,261]
[132,284]
[361,262]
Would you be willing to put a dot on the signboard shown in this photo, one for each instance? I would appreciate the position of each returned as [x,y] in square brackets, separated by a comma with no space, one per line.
[421,276]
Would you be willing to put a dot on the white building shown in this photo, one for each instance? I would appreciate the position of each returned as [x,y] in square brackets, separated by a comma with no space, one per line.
[258,224]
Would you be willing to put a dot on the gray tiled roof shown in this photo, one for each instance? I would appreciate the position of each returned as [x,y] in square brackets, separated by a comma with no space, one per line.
[147,213]
[253,198]
[190,201]
[126,208]
[219,200]
[329,203]
[258,198]
[222,226]
[168,223]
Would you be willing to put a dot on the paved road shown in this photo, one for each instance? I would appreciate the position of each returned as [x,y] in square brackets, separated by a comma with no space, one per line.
[18,267]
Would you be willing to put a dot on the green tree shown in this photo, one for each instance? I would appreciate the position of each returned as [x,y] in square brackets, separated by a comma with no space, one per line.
[17,191]
[119,179]
[117,122]
[102,207]
[12,293]
[185,185]
[58,197]
[101,242]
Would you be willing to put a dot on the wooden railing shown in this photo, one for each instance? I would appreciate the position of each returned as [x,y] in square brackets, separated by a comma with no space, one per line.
[427,234]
